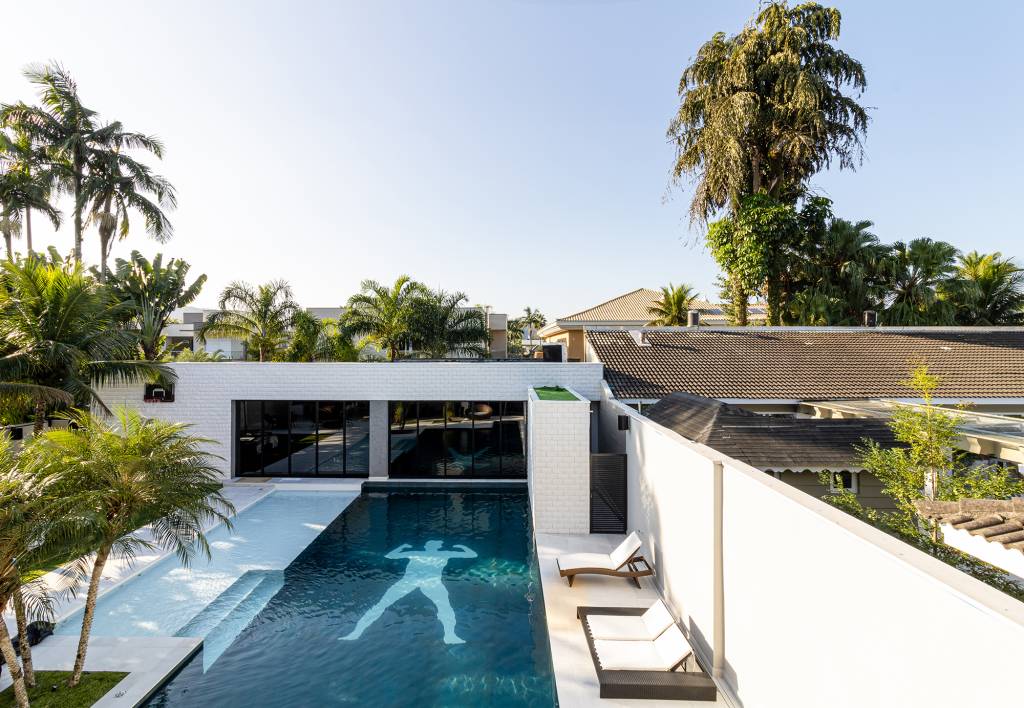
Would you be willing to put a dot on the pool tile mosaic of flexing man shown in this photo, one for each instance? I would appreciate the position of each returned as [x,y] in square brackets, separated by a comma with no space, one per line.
[423,573]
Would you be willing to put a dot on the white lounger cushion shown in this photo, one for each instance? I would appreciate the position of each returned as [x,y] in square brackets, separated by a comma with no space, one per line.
[647,626]
[613,561]
[662,654]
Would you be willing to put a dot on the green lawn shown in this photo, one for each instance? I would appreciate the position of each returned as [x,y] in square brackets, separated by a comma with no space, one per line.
[554,393]
[93,686]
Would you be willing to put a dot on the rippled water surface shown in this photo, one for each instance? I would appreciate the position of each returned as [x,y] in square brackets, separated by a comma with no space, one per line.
[461,558]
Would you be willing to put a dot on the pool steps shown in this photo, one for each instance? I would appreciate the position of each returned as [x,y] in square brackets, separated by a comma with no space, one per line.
[220,622]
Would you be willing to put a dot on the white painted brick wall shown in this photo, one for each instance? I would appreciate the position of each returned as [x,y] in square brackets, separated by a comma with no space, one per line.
[204,391]
[559,465]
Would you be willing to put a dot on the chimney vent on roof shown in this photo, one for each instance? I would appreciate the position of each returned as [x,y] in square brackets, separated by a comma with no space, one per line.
[870,318]
[693,318]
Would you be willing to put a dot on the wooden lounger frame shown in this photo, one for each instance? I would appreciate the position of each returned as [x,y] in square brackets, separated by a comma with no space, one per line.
[630,569]
[660,685]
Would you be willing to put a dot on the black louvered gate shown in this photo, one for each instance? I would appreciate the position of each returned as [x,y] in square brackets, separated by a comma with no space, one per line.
[607,493]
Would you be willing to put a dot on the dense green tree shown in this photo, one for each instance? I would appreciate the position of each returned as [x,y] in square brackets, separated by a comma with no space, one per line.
[441,325]
[260,316]
[989,290]
[762,111]
[125,475]
[315,339]
[671,310]
[381,313]
[918,271]
[73,139]
[59,329]
[839,275]
[755,248]
[152,291]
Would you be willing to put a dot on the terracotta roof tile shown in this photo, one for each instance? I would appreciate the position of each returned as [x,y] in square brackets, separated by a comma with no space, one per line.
[995,520]
[808,364]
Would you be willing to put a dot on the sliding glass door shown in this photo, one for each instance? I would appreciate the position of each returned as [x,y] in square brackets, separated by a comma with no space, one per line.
[482,439]
[302,438]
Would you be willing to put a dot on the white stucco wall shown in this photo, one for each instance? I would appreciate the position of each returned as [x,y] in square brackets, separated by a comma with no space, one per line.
[204,391]
[820,609]
[558,451]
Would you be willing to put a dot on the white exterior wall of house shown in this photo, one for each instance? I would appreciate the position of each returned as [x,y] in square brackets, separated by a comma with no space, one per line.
[558,453]
[819,608]
[204,391]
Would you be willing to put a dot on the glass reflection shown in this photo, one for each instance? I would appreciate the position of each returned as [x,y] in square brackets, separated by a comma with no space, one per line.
[331,438]
[275,437]
[357,437]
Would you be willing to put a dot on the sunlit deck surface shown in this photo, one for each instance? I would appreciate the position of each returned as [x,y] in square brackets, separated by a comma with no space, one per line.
[575,678]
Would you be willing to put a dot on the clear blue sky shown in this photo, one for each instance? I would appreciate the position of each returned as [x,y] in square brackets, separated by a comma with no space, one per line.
[513,150]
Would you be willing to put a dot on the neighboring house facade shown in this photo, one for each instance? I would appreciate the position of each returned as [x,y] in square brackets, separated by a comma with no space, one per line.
[810,374]
[629,311]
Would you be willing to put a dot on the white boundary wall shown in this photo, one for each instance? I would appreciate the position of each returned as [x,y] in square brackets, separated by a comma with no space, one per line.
[204,391]
[559,464]
[820,609]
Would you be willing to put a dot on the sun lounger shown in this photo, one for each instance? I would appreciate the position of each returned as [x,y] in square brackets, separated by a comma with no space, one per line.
[646,627]
[623,562]
[644,668]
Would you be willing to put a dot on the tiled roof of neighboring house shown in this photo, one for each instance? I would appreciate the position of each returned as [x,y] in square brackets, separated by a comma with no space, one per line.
[633,307]
[810,363]
[995,520]
[770,442]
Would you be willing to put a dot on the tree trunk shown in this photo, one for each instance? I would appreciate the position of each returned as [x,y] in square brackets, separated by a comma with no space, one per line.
[739,302]
[13,665]
[23,639]
[40,417]
[90,610]
[78,210]
[7,242]
[28,230]
[103,257]
[23,645]
[755,170]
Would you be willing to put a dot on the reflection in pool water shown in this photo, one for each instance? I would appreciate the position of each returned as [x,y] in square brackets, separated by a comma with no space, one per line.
[288,654]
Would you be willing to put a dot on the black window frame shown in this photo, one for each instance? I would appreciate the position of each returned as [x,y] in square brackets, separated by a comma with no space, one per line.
[262,472]
[498,419]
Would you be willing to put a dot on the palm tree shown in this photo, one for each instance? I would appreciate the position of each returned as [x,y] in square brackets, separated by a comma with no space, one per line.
[72,137]
[10,227]
[25,181]
[152,292]
[440,325]
[260,316]
[125,476]
[671,309]
[117,184]
[990,292]
[764,110]
[315,339]
[917,272]
[59,329]
[381,313]
[35,533]
[839,276]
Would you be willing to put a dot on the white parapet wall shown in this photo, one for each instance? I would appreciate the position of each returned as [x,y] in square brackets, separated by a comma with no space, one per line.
[819,609]
[204,392]
[559,464]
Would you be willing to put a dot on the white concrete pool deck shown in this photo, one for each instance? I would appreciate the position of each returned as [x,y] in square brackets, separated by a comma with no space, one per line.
[149,660]
[575,678]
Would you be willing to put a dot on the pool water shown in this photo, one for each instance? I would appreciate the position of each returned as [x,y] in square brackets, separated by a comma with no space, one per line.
[406,598]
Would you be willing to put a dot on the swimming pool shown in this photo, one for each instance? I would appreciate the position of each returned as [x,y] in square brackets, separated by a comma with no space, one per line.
[406,597]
